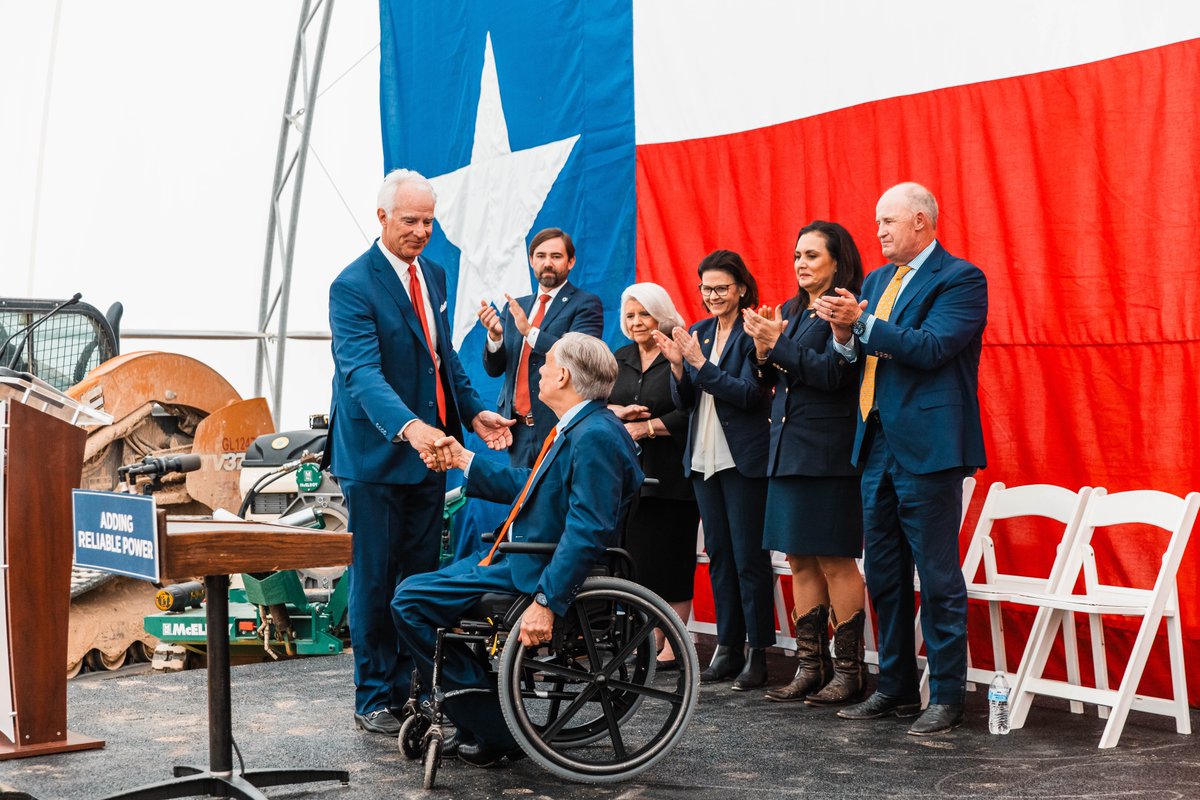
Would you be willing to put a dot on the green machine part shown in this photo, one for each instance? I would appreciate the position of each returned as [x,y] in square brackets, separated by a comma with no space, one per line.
[317,626]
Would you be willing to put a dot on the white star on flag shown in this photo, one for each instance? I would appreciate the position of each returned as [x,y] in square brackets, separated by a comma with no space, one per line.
[487,207]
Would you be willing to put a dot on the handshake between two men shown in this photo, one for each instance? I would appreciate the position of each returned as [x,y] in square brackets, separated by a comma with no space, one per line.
[439,451]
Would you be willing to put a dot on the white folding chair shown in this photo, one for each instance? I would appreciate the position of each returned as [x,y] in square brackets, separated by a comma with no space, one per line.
[996,587]
[1149,508]
[968,489]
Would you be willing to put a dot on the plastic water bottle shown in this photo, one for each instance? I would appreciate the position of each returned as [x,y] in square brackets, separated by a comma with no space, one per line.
[998,704]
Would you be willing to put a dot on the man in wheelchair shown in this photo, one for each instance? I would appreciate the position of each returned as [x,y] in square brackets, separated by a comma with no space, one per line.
[575,496]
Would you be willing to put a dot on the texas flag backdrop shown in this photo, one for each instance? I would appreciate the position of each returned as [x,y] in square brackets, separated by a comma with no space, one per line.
[1061,139]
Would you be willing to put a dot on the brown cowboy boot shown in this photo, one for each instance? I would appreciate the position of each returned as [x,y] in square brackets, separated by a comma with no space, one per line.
[812,656]
[849,664]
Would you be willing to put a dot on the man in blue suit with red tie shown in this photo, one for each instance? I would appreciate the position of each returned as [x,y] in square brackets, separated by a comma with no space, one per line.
[398,388]
[522,333]
[576,494]
[917,334]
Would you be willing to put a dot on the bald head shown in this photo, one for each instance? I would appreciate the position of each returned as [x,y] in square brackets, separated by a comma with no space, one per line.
[906,221]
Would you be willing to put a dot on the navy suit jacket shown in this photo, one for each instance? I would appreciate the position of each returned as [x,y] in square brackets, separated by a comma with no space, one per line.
[741,398]
[927,379]
[571,310]
[816,399]
[383,375]
[578,499]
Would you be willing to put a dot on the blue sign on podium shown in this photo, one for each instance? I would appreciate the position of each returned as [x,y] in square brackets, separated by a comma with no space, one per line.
[116,533]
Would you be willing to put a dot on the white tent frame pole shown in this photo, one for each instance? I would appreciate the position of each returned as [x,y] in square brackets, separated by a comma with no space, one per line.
[288,169]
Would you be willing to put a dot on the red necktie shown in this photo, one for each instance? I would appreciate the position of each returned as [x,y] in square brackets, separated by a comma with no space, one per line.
[500,536]
[414,293]
[521,402]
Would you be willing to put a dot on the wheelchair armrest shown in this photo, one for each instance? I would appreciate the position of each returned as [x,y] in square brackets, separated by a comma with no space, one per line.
[619,558]
[539,548]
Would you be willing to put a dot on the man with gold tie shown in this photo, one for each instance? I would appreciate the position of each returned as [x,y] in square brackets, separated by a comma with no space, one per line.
[576,493]
[917,333]
[522,333]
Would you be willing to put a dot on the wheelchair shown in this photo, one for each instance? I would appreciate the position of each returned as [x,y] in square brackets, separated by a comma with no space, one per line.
[587,706]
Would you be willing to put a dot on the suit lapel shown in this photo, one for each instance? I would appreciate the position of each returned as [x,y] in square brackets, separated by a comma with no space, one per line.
[798,324]
[560,302]
[433,284]
[706,329]
[919,283]
[386,275]
[559,442]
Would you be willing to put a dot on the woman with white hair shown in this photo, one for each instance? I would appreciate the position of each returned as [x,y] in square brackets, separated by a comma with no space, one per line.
[661,534]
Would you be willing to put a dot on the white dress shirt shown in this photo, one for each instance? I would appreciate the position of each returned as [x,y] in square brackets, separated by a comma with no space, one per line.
[402,272]
[430,320]
[532,336]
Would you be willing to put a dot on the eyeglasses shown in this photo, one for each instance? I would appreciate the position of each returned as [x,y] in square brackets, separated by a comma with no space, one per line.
[719,291]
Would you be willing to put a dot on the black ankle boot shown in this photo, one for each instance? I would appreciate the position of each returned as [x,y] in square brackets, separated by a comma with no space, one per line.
[754,674]
[726,662]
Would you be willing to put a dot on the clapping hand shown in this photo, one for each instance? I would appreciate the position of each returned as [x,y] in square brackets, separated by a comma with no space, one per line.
[765,326]
[491,320]
[840,310]
[689,346]
[669,349]
[519,317]
[493,429]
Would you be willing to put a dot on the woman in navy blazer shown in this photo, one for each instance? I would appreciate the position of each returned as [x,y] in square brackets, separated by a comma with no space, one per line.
[712,378]
[814,506]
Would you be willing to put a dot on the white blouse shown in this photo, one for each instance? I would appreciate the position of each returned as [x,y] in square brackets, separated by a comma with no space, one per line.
[710,450]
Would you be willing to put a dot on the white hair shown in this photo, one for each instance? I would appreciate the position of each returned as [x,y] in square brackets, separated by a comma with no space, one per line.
[654,299]
[592,365]
[918,199]
[393,181]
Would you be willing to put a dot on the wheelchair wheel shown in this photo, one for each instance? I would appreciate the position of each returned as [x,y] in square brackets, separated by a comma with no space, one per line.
[591,710]
[590,724]
[433,759]
[412,735]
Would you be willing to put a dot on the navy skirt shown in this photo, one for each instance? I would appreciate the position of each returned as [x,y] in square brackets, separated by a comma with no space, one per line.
[814,516]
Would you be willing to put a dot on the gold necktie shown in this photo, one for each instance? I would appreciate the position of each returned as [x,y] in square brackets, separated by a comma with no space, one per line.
[866,392]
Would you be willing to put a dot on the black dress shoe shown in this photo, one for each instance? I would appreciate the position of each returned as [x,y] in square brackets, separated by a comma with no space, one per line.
[482,755]
[669,665]
[378,721]
[882,705]
[726,663]
[754,674]
[451,744]
[937,718]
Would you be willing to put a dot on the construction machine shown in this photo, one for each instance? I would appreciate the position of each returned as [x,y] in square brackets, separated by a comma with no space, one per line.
[162,404]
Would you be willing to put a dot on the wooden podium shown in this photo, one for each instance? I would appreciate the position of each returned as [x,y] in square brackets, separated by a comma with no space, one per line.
[41,459]
[217,550]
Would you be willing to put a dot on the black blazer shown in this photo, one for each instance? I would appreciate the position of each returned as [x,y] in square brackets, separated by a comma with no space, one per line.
[661,456]
[742,399]
[816,396]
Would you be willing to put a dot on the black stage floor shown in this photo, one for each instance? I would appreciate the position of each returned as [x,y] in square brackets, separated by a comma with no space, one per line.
[298,713]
